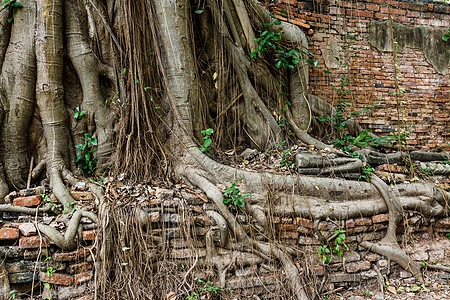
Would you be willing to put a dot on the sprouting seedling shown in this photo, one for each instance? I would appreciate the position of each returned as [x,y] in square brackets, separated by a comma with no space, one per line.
[79,113]
[206,140]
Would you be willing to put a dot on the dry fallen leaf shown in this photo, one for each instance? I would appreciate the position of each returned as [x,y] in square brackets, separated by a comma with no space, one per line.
[171,296]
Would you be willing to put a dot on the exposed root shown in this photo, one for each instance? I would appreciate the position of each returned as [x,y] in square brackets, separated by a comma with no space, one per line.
[388,246]
[68,240]
[291,271]
[26,210]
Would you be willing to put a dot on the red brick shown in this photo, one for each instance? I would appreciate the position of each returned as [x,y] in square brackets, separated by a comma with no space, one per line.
[28,201]
[56,278]
[29,242]
[380,218]
[9,233]
[304,223]
[89,235]
[372,7]
[363,222]
[83,277]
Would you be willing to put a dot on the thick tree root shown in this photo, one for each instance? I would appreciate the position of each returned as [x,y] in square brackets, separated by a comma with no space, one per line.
[291,271]
[68,241]
[388,246]
[26,210]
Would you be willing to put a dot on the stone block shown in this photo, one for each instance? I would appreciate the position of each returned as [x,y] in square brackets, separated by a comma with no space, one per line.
[11,252]
[9,233]
[29,201]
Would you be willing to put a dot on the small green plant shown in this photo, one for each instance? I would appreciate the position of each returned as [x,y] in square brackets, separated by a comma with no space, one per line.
[85,154]
[206,289]
[10,4]
[286,158]
[47,200]
[446,36]
[339,242]
[447,235]
[12,294]
[287,58]
[233,195]
[79,113]
[323,253]
[50,271]
[206,140]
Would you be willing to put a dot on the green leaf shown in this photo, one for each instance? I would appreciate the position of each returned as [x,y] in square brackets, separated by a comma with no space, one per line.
[207,143]
[199,11]
[278,64]
[16,4]
[209,131]
[277,22]
[326,71]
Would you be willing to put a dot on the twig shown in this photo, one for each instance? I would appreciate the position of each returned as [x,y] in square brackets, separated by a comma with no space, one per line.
[29,172]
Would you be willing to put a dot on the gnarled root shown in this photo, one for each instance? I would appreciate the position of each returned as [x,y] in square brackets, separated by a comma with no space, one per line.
[388,246]
[68,241]
[216,196]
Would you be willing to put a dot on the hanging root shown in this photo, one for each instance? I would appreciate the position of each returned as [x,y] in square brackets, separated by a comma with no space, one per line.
[291,271]
[388,246]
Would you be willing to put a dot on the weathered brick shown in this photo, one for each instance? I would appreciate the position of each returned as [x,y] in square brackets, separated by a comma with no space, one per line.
[89,235]
[304,223]
[21,277]
[71,256]
[380,218]
[11,252]
[80,268]
[27,229]
[356,266]
[9,233]
[335,278]
[29,201]
[56,278]
[363,222]
[29,242]
[83,277]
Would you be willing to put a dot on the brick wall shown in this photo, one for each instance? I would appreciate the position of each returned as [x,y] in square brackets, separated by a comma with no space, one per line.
[426,100]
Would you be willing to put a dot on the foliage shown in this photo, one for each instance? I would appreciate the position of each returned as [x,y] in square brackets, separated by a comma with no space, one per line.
[79,113]
[233,195]
[10,4]
[50,271]
[446,36]
[206,140]
[287,58]
[286,159]
[85,154]
[12,293]
[46,199]
[447,235]
[339,243]
[206,289]
[323,253]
